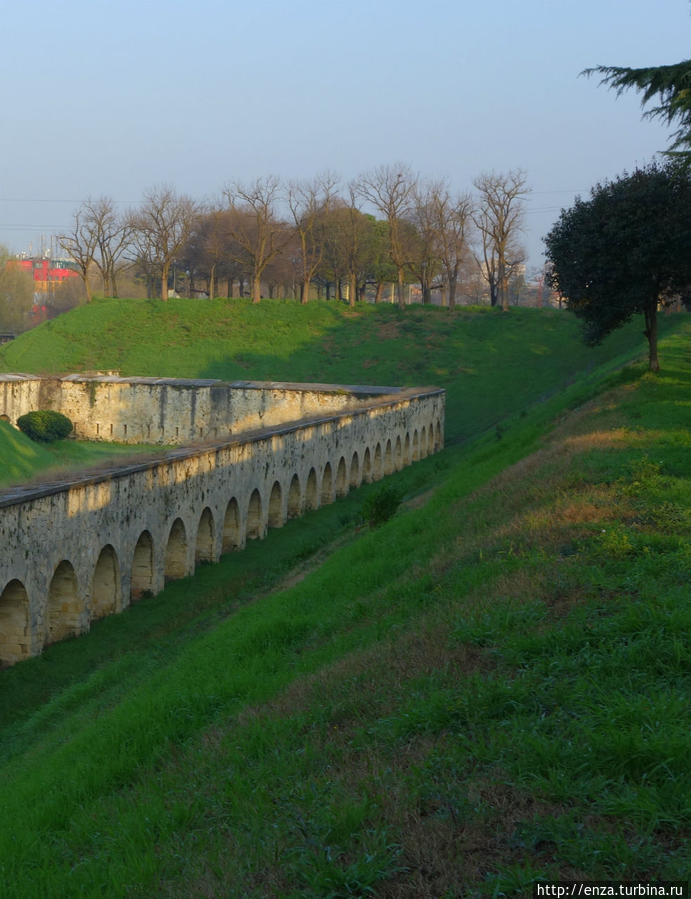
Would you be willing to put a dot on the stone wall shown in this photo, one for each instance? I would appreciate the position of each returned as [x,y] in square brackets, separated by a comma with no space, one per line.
[170,411]
[78,550]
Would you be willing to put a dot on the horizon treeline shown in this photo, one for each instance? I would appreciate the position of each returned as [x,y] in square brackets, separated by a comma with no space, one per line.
[370,239]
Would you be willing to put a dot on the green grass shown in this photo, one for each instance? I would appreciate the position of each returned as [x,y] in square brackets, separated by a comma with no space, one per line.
[491,364]
[22,460]
[489,688]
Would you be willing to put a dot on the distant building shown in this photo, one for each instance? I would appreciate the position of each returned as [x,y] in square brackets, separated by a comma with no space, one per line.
[47,273]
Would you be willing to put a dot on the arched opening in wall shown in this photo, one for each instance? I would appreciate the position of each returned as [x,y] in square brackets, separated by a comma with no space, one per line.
[355,471]
[406,450]
[327,485]
[376,467]
[142,581]
[398,455]
[294,498]
[64,614]
[14,623]
[204,549]
[311,497]
[254,516]
[423,443]
[7,419]
[276,507]
[388,458]
[367,467]
[341,478]
[231,527]
[416,446]
[175,565]
[104,590]
[437,437]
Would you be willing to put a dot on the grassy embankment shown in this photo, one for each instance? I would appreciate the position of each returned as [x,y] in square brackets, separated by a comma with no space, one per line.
[490,688]
[491,365]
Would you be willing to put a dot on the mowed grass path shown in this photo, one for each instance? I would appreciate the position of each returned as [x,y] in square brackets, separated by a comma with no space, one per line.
[490,688]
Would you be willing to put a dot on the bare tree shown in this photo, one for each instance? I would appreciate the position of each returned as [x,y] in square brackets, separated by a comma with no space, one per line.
[160,229]
[113,234]
[499,217]
[452,220]
[390,189]
[80,243]
[307,201]
[255,226]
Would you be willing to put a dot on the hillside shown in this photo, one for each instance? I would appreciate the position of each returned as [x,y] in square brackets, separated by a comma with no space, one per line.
[490,364]
[488,689]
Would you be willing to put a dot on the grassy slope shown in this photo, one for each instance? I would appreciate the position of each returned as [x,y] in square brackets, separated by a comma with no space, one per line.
[491,364]
[496,690]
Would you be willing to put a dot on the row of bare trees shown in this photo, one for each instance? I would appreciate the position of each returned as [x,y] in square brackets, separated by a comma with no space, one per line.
[387,226]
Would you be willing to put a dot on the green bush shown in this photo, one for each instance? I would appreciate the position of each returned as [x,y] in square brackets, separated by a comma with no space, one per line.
[381,505]
[45,425]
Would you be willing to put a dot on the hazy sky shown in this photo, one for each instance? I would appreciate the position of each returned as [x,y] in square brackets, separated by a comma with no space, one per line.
[112,98]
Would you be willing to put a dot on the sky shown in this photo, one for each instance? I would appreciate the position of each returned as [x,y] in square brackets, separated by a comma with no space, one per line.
[114,98]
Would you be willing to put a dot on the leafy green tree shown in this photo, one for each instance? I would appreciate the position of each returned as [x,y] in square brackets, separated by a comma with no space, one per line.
[671,85]
[625,251]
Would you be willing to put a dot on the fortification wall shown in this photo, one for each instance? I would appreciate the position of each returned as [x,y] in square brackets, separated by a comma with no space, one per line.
[78,550]
[170,411]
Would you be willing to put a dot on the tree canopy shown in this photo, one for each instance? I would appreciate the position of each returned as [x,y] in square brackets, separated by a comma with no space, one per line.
[625,251]
[672,87]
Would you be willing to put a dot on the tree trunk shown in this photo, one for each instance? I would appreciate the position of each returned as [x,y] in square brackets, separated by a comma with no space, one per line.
[352,288]
[164,282]
[87,288]
[651,334]
[304,291]
[399,288]
[256,287]
[212,284]
[379,295]
[451,295]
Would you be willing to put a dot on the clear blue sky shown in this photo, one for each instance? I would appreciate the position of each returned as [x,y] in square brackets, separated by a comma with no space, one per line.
[111,98]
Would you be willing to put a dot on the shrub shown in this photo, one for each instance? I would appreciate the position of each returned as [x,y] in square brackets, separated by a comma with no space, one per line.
[381,505]
[45,425]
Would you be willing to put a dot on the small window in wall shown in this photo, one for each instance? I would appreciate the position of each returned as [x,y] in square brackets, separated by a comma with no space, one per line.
[111,430]
[177,432]
[124,430]
[148,430]
[98,428]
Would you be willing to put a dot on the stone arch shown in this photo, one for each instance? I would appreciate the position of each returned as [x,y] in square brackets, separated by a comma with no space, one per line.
[376,466]
[406,450]
[64,610]
[294,505]
[14,623]
[341,478]
[388,458]
[367,466]
[355,471]
[204,549]
[398,454]
[231,527]
[276,506]
[175,565]
[6,418]
[142,581]
[416,446]
[327,485]
[254,516]
[311,495]
[437,436]
[423,442]
[105,584]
